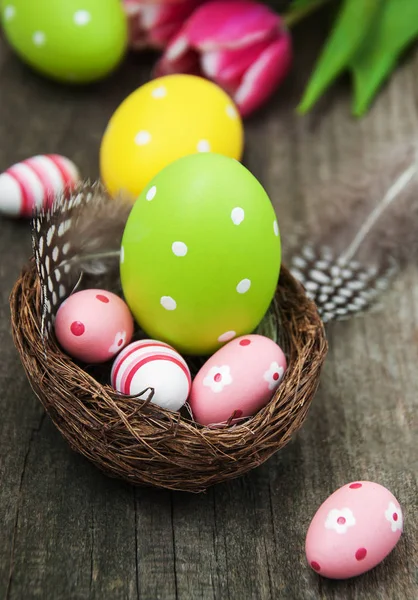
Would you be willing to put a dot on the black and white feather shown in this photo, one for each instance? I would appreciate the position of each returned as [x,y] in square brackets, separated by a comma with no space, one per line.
[340,289]
[372,232]
[79,235]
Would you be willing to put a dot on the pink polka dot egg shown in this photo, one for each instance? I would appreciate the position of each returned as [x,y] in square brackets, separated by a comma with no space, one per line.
[353,530]
[237,381]
[152,364]
[93,325]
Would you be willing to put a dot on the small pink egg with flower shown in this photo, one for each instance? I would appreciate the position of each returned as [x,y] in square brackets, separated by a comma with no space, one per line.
[93,325]
[353,530]
[237,380]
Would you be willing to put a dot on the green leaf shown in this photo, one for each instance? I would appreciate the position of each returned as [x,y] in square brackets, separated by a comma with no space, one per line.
[297,4]
[395,29]
[301,9]
[348,33]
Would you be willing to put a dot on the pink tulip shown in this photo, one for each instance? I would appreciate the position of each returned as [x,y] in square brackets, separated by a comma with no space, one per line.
[241,45]
[152,24]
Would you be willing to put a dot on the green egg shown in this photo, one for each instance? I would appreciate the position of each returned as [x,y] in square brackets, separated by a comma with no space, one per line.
[73,41]
[201,254]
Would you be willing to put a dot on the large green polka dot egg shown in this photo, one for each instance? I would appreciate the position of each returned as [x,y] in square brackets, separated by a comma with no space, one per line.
[201,254]
[74,41]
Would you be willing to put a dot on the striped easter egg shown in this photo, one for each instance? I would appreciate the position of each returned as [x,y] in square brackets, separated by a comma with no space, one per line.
[152,364]
[32,184]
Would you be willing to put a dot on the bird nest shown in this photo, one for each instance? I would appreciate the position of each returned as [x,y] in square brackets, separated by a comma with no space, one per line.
[131,438]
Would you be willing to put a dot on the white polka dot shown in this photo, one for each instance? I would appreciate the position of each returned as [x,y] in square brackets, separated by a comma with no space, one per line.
[237,215]
[159,92]
[228,335]
[122,255]
[243,286]
[151,193]
[39,38]
[9,12]
[231,111]
[203,146]
[142,138]
[168,303]
[82,17]
[276,228]
[179,248]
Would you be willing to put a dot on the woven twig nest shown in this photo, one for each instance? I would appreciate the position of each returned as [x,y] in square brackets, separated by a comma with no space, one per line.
[139,442]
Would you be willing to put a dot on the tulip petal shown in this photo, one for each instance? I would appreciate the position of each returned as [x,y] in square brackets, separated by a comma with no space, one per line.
[160,36]
[264,76]
[155,24]
[178,47]
[189,67]
[230,24]
[228,65]
[148,29]
[151,15]
[138,38]
[178,58]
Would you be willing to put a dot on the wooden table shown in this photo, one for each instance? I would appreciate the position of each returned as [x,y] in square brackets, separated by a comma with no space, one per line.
[69,532]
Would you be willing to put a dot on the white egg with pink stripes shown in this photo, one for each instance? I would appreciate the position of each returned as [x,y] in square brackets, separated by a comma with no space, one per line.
[153,364]
[33,184]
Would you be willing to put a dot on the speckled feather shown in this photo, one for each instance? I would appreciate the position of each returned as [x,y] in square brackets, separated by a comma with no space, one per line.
[78,235]
[352,259]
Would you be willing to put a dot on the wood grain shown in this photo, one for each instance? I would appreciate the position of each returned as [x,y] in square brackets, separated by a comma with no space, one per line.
[68,532]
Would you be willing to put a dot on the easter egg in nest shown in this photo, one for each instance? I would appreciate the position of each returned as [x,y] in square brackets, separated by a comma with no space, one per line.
[238,380]
[166,119]
[93,325]
[151,364]
[71,41]
[201,254]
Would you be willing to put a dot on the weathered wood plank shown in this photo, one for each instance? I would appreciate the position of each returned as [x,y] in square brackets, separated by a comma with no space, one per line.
[70,532]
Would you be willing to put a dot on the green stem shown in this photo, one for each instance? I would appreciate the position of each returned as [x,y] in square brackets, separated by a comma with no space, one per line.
[295,16]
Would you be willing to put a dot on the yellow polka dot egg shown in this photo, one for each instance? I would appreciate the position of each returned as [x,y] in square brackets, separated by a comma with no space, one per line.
[166,119]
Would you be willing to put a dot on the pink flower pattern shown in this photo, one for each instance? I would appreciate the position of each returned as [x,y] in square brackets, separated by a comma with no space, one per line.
[119,342]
